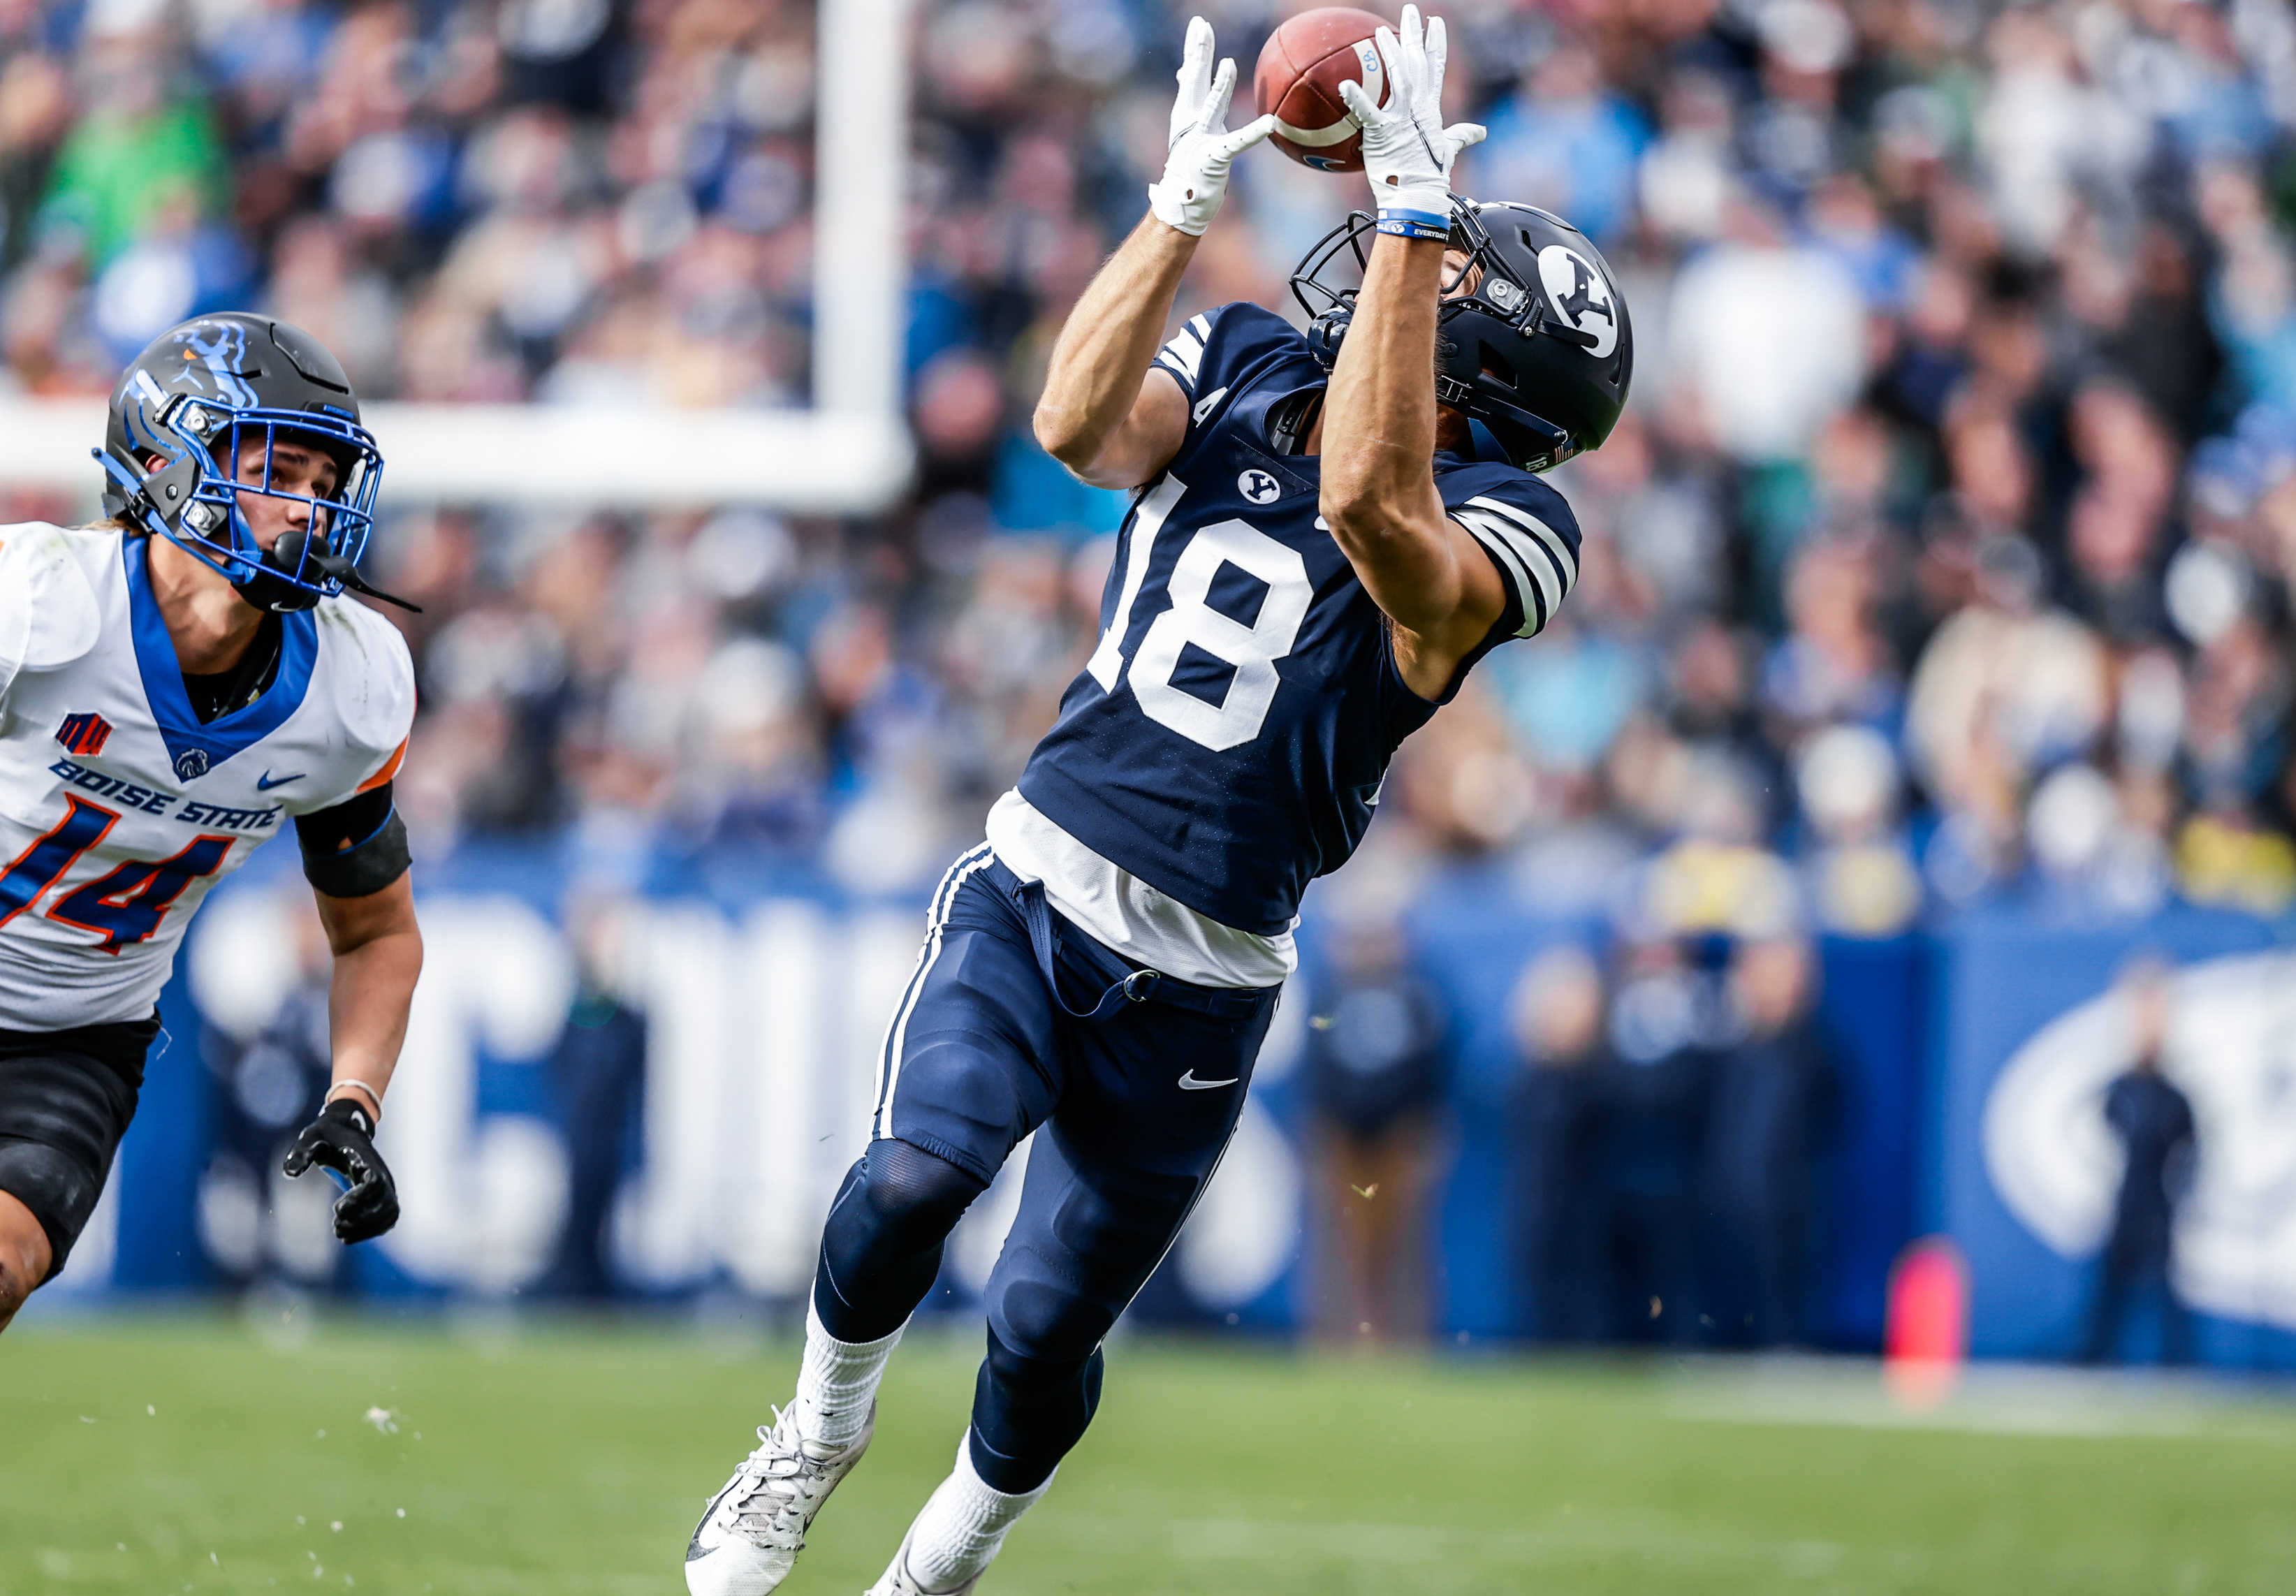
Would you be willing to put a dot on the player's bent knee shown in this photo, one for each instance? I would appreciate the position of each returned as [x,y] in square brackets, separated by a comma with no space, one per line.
[1027,1412]
[36,1179]
[1074,1381]
[916,1198]
[1057,1317]
[24,1254]
[899,1199]
[880,1250]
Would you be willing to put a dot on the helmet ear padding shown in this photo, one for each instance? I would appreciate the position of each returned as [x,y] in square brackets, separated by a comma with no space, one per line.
[169,488]
[1495,366]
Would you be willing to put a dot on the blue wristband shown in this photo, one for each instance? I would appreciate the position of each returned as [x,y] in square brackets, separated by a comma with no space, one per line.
[1403,226]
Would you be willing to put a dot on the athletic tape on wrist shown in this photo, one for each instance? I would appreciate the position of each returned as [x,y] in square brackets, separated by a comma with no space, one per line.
[374,1098]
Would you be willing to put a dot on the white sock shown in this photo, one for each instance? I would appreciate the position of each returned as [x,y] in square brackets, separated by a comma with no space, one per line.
[963,1526]
[837,1382]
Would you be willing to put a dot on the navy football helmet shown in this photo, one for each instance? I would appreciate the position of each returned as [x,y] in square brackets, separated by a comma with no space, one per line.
[200,398]
[1537,350]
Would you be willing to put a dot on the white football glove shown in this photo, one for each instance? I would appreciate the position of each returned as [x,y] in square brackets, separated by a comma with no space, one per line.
[1195,173]
[1407,151]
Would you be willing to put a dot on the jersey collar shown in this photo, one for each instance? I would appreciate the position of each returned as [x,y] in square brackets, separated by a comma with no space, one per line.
[192,748]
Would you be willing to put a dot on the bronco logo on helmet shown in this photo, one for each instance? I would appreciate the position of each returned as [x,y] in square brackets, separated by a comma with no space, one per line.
[196,400]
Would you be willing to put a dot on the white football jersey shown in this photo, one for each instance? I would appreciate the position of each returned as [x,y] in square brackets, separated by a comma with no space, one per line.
[119,810]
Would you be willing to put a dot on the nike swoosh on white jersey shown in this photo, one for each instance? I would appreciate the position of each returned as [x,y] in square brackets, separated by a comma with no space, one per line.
[1188,1083]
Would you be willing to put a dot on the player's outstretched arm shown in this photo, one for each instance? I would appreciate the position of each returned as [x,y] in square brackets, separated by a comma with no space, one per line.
[378,952]
[1103,414]
[1106,414]
[1424,569]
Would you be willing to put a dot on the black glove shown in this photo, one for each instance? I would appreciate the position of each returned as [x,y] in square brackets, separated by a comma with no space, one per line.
[342,1138]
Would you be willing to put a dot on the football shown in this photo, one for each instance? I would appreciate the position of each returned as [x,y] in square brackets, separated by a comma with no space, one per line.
[1298,79]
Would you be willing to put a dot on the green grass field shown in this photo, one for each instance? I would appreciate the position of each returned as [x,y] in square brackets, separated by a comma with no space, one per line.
[156,1457]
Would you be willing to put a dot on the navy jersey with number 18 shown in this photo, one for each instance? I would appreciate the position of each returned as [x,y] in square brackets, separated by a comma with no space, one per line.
[1226,741]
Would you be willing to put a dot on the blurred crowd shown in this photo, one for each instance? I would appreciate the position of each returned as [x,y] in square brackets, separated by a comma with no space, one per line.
[1667,1123]
[1944,551]
[1669,1144]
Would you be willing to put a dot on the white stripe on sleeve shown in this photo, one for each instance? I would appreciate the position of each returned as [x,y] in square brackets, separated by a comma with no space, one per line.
[1565,560]
[1532,581]
[1186,353]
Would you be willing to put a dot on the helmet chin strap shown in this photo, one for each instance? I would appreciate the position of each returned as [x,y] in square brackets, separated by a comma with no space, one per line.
[266,586]
[299,549]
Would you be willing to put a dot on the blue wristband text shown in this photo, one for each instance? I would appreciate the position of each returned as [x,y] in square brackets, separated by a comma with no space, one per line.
[1403,226]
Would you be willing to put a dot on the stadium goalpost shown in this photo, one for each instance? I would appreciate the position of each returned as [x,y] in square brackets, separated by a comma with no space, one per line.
[850,452]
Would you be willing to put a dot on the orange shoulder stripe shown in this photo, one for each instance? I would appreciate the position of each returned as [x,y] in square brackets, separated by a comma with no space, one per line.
[390,769]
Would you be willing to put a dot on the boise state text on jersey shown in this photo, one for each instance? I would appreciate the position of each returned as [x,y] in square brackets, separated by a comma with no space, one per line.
[118,808]
[1226,740]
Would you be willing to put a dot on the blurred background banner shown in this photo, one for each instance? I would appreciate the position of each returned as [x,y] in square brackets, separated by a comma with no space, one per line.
[651,1096]
[623,1095]
[2029,1170]
[1895,835]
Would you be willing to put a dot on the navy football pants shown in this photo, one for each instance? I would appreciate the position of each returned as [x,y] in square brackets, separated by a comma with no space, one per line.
[1134,1109]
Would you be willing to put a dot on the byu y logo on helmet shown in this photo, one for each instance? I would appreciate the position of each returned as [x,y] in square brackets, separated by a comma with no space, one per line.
[1533,340]
[1580,297]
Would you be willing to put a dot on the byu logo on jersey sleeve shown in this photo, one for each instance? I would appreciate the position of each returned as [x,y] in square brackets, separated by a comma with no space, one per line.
[1579,296]
[1260,486]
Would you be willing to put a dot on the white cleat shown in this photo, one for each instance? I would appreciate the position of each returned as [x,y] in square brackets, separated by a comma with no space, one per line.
[898,1581]
[750,1534]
